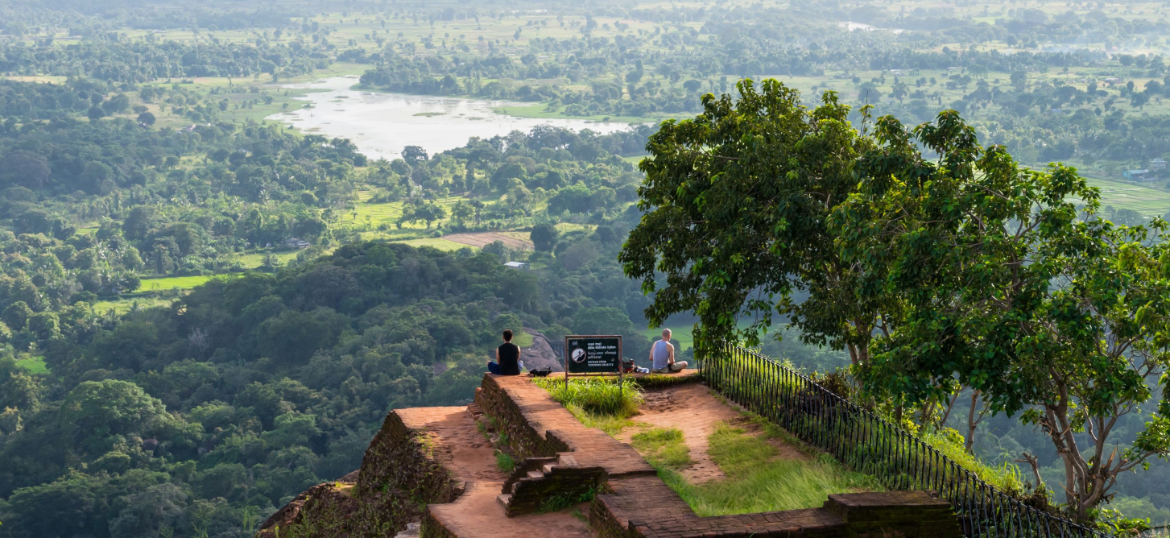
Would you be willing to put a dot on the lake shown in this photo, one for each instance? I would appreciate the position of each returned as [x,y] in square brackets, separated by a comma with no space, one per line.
[381,124]
[862,27]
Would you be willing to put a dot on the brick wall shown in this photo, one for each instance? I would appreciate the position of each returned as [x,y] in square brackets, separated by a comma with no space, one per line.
[398,477]
[562,487]
[641,507]
[524,438]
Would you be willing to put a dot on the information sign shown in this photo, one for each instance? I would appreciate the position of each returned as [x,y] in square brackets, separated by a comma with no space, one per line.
[593,354]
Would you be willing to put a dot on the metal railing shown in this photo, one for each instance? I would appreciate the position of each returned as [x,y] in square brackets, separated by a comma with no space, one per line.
[874,446]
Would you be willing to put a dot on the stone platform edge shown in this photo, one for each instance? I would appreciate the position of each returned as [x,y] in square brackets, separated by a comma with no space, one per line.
[398,477]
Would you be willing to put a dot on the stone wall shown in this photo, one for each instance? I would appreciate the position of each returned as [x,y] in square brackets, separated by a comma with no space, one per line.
[894,513]
[564,486]
[433,528]
[525,438]
[641,507]
[398,478]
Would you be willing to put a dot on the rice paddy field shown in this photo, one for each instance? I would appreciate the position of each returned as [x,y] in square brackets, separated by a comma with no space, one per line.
[434,242]
[1148,201]
[178,282]
[123,306]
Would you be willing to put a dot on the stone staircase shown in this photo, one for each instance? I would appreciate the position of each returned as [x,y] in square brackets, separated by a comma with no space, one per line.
[542,483]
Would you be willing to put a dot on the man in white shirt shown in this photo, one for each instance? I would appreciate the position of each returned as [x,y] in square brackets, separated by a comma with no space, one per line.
[662,356]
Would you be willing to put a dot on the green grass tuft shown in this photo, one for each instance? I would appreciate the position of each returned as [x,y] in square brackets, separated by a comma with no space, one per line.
[1005,476]
[661,381]
[504,461]
[601,396]
[663,447]
[609,424]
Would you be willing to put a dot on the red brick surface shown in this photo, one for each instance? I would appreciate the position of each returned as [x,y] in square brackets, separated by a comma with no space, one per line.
[437,455]
[636,503]
[551,421]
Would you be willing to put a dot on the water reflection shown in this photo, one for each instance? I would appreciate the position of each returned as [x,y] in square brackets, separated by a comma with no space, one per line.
[381,124]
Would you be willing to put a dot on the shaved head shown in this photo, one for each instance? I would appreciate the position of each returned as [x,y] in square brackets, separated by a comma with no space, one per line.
[666,334]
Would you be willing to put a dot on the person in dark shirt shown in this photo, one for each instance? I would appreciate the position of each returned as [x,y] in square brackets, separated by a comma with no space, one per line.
[507,357]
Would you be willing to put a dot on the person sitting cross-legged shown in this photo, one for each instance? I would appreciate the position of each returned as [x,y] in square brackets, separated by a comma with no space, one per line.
[662,356]
[507,357]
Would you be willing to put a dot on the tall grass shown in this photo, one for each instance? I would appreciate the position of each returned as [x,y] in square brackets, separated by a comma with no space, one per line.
[1005,476]
[597,402]
[598,395]
[758,481]
[773,389]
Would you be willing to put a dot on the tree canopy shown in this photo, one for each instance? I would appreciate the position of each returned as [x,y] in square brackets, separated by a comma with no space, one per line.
[937,263]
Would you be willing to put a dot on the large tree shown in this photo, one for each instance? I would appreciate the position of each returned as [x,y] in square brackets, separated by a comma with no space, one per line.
[935,262]
[1008,290]
[737,203]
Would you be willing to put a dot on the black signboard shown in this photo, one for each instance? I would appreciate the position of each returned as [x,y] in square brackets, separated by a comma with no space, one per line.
[593,354]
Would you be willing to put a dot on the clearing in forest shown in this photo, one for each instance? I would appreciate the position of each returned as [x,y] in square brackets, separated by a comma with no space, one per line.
[480,240]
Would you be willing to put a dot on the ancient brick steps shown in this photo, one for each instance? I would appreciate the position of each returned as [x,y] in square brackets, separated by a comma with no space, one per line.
[478,513]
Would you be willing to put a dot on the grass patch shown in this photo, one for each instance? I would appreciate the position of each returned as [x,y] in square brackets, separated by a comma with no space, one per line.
[611,425]
[659,381]
[598,395]
[759,482]
[435,243]
[123,306]
[596,402]
[256,259]
[505,462]
[34,365]
[663,447]
[1146,200]
[178,282]
[1006,476]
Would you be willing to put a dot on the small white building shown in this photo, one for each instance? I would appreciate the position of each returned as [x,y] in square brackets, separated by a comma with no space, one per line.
[517,265]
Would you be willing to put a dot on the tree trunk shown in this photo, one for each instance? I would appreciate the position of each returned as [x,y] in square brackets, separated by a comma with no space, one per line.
[972,423]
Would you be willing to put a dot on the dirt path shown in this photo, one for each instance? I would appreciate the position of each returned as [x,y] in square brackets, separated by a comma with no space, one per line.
[480,240]
[695,411]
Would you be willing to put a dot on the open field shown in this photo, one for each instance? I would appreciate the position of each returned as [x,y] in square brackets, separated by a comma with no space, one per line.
[34,365]
[480,240]
[256,259]
[1148,201]
[375,215]
[178,282]
[440,243]
[123,306]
